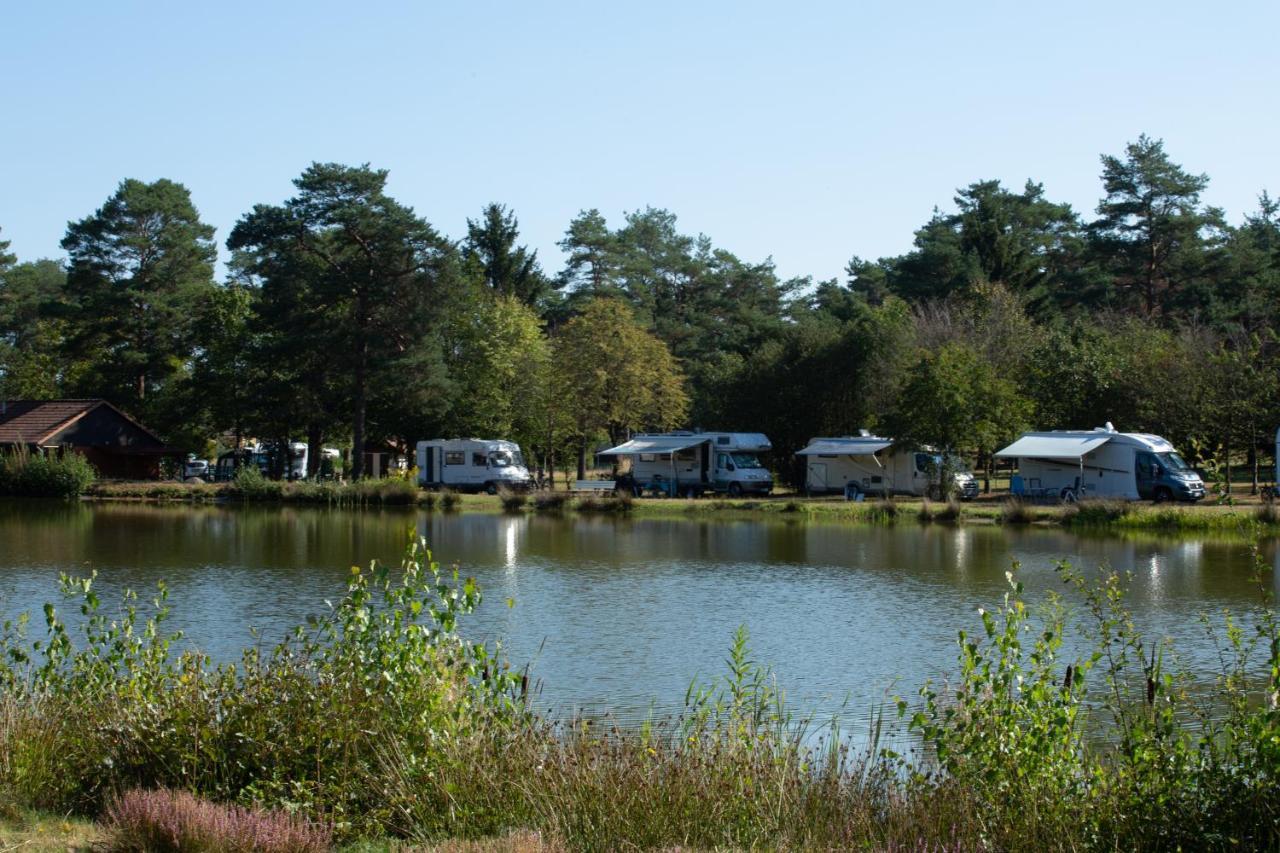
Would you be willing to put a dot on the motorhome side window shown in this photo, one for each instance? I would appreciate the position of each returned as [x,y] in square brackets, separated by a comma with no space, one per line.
[1146,464]
[455,457]
[479,460]
[648,457]
[687,455]
[722,460]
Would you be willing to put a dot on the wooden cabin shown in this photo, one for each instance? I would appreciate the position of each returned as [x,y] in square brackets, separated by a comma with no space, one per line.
[114,443]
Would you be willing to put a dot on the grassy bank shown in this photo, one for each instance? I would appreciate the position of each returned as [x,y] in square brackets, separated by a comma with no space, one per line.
[1243,519]
[377,725]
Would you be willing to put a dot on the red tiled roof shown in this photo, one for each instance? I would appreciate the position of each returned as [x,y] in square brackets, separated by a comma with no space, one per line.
[33,421]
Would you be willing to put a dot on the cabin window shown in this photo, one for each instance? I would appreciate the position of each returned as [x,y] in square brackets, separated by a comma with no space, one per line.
[479,460]
[455,457]
[722,460]
[648,457]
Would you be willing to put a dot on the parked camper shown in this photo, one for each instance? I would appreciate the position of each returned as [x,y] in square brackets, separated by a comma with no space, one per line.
[472,464]
[692,463]
[1101,463]
[875,465]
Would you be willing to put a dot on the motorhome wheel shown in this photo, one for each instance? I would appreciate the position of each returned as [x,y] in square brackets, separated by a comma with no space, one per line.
[490,488]
[735,490]
[1163,494]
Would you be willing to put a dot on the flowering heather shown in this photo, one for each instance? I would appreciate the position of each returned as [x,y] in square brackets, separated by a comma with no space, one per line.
[160,821]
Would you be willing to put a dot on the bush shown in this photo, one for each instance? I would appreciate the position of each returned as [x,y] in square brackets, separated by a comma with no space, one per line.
[305,726]
[177,822]
[550,501]
[250,485]
[1096,512]
[619,503]
[44,475]
[950,511]
[513,502]
[1268,513]
[449,501]
[1014,511]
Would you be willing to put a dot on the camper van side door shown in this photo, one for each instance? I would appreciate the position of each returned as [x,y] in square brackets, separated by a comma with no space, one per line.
[723,467]
[1146,472]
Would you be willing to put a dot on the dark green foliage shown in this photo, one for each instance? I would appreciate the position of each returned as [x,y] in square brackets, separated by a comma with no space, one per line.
[44,475]
[507,269]
[138,269]
[359,279]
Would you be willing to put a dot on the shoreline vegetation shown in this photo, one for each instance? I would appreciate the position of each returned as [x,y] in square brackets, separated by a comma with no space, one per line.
[1241,518]
[377,725]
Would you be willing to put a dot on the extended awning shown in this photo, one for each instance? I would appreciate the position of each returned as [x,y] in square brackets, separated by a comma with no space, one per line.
[1070,447]
[845,447]
[655,444]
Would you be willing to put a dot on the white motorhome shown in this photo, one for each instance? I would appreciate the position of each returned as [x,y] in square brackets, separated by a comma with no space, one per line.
[691,463]
[874,465]
[1101,463]
[472,464]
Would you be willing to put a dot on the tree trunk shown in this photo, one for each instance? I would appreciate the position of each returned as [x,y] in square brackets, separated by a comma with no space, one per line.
[1227,454]
[1253,463]
[361,402]
[582,458]
[315,438]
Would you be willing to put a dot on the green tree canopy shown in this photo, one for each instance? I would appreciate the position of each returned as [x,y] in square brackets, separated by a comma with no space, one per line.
[375,268]
[1152,229]
[137,269]
[508,269]
[614,377]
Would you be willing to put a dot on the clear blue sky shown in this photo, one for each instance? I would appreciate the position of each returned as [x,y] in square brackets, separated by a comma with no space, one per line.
[806,131]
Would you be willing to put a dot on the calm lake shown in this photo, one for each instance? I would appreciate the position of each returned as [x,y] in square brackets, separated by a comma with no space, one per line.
[618,615]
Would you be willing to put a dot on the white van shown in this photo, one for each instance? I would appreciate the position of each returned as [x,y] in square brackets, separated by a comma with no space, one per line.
[1101,463]
[692,463]
[472,464]
[873,465]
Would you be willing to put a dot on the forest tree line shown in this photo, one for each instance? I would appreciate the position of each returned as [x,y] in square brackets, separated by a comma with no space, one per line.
[345,316]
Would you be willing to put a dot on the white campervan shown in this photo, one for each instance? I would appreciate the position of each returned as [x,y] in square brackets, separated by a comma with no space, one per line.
[472,464]
[1101,463]
[691,463]
[873,465]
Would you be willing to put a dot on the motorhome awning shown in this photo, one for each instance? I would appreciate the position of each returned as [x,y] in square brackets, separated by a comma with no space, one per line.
[845,447]
[655,444]
[1054,446]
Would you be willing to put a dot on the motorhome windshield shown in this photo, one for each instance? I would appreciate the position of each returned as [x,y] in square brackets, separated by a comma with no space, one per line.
[1173,462]
[746,460]
[504,458]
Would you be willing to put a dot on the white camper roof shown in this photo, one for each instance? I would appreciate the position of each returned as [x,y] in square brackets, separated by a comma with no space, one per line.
[655,444]
[1076,444]
[1054,445]
[864,445]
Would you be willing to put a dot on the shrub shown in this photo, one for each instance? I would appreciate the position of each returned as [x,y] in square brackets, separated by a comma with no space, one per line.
[550,501]
[1096,512]
[250,485]
[1268,513]
[449,501]
[618,503]
[513,502]
[44,475]
[177,822]
[305,725]
[1014,511]
[883,510]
